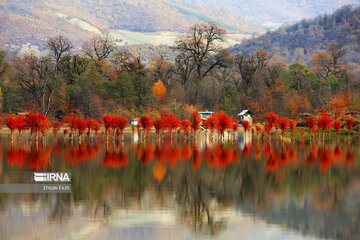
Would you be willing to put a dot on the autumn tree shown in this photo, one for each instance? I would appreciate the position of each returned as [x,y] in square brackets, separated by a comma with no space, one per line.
[159,90]
[328,64]
[124,61]
[349,123]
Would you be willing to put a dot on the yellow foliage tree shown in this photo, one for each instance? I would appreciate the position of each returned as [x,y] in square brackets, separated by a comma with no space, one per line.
[159,90]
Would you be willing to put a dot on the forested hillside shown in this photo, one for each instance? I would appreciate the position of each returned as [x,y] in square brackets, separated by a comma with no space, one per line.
[298,42]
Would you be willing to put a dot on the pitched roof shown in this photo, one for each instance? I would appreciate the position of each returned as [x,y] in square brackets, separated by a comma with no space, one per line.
[243,112]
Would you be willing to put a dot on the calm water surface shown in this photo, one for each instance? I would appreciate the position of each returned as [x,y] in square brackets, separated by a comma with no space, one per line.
[185,190]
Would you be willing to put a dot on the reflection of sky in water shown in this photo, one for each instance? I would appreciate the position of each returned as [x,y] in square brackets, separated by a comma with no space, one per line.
[134,224]
[149,191]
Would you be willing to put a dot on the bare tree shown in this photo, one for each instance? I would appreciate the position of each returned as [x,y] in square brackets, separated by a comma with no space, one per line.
[60,48]
[37,77]
[99,48]
[248,66]
[200,52]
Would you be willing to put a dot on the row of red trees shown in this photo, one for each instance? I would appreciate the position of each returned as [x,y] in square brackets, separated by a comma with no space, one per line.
[167,122]
[324,122]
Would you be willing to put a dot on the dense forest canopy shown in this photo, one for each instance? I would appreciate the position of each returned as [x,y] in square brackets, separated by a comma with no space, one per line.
[104,79]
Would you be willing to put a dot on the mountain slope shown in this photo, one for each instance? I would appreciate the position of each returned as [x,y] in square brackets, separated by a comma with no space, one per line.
[29,22]
[300,41]
[270,13]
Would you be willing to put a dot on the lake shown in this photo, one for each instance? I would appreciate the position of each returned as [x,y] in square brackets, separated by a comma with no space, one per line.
[177,189]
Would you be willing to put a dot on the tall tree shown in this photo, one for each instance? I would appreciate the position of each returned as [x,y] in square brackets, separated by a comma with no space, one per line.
[37,77]
[200,52]
[60,49]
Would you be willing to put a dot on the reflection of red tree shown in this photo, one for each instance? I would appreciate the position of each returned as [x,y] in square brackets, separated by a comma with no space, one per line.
[272,163]
[115,160]
[93,151]
[38,157]
[246,150]
[268,150]
[325,159]
[283,157]
[174,156]
[16,156]
[196,161]
[349,157]
[76,154]
[337,151]
[145,154]
[292,153]
[186,152]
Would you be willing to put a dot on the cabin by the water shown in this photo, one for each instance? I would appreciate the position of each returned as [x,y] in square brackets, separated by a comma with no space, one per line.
[246,115]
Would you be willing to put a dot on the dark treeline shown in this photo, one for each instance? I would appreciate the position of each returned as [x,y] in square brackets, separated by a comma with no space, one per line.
[102,79]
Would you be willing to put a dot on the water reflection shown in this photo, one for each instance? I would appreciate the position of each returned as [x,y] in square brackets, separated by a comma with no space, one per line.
[185,189]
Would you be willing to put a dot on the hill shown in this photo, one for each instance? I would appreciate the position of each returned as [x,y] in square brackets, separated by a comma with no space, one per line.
[26,24]
[300,41]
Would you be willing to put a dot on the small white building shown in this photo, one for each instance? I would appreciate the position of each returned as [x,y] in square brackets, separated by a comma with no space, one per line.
[246,115]
[135,122]
[205,115]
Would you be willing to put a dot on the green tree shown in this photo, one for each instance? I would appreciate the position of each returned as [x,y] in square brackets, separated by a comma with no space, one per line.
[13,100]
[122,91]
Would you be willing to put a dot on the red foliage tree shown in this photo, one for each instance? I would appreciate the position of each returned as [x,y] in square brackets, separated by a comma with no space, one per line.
[92,125]
[311,122]
[80,125]
[337,126]
[292,125]
[349,123]
[37,122]
[146,123]
[223,122]
[70,121]
[267,128]
[10,122]
[20,124]
[120,123]
[324,122]
[159,125]
[271,118]
[195,121]
[283,124]
[235,124]
[173,122]
[108,121]
[185,126]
